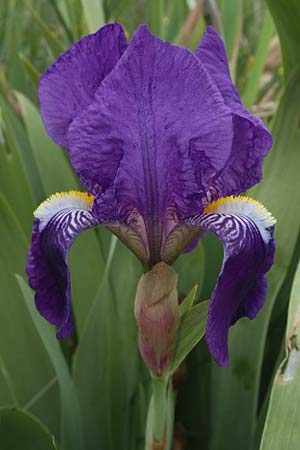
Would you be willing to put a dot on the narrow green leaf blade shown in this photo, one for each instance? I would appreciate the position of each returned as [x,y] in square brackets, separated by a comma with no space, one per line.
[55,46]
[254,74]
[21,431]
[281,429]
[156,16]
[232,17]
[286,15]
[71,425]
[187,303]
[190,268]
[191,331]
[13,181]
[94,14]
[107,365]
[23,359]
[235,391]
[17,139]
[54,169]
[32,72]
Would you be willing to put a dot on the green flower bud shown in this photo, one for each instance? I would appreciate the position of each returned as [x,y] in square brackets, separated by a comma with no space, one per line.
[157,315]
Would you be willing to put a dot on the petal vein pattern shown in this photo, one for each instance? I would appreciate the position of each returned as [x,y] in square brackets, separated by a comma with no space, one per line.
[165,128]
[245,228]
[58,221]
[252,140]
[69,85]
[159,136]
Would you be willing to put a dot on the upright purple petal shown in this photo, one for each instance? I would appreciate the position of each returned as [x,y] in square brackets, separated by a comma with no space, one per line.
[212,54]
[252,140]
[58,221]
[69,85]
[246,230]
[157,128]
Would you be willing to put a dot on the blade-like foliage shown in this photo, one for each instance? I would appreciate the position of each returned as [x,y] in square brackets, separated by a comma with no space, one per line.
[286,16]
[235,390]
[25,365]
[21,431]
[71,435]
[281,427]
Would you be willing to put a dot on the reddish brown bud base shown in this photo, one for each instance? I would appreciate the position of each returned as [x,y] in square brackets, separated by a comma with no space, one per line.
[157,315]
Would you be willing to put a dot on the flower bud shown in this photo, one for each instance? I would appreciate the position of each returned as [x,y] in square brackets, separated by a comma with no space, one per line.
[157,315]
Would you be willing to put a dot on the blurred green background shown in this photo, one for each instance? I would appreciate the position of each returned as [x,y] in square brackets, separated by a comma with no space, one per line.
[91,392]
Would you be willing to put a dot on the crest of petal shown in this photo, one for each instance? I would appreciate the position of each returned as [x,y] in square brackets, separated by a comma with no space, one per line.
[252,140]
[157,130]
[58,221]
[245,228]
[69,85]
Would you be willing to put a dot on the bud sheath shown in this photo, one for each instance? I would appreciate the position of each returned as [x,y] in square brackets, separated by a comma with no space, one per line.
[157,315]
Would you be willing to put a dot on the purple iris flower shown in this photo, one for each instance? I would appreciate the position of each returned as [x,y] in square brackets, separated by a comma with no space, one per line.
[160,140]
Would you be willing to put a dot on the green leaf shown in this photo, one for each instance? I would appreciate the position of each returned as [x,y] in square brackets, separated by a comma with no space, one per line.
[94,14]
[11,22]
[49,158]
[55,46]
[61,14]
[255,72]
[32,73]
[107,366]
[235,390]
[17,141]
[13,181]
[281,430]
[23,360]
[75,15]
[21,431]
[8,395]
[286,15]
[176,16]
[139,408]
[156,16]
[232,17]
[187,303]
[190,269]
[71,425]
[191,331]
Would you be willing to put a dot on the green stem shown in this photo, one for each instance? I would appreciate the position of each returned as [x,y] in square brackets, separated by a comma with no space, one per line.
[159,385]
[160,419]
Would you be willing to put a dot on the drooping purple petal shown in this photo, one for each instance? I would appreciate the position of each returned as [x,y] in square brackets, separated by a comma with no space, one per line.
[246,231]
[69,85]
[58,221]
[157,127]
[252,140]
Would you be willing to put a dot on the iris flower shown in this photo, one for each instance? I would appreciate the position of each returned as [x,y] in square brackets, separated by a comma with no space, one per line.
[162,144]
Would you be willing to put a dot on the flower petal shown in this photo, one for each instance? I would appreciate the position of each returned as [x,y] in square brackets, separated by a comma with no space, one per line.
[245,228]
[157,126]
[69,85]
[58,221]
[182,239]
[212,54]
[252,140]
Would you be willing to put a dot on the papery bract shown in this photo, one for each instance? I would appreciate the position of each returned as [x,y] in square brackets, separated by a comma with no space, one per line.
[157,314]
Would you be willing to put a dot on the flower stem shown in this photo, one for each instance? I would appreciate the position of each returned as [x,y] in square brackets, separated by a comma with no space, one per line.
[160,420]
[159,385]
